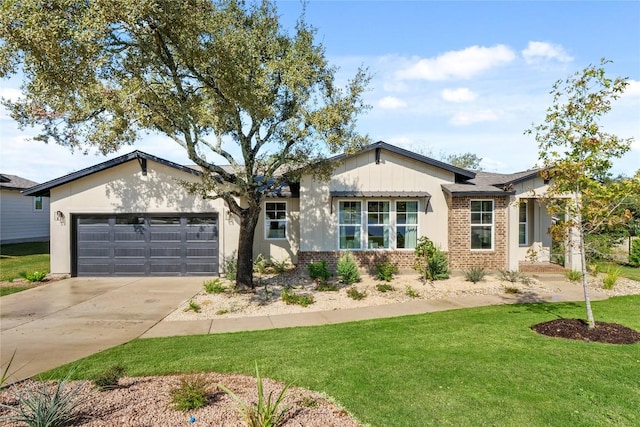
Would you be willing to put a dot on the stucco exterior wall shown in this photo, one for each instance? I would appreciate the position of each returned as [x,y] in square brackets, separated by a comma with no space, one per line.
[19,220]
[124,189]
[319,213]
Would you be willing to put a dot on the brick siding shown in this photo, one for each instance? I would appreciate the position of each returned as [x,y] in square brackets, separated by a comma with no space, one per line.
[460,254]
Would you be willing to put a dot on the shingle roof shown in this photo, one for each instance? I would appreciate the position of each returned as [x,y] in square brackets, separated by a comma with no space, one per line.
[15,182]
[489,184]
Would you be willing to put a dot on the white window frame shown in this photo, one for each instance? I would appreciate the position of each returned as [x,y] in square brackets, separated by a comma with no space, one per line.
[340,224]
[525,204]
[396,224]
[364,225]
[482,224]
[35,203]
[268,221]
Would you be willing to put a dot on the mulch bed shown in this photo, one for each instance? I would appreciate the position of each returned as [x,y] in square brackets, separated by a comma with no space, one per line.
[578,329]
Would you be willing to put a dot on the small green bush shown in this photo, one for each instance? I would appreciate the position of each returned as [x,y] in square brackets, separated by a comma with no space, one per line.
[35,276]
[594,269]
[347,269]
[574,275]
[109,378]
[46,405]
[291,298]
[474,274]
[410,292]
[192,393]
[430,262]
[634,254]
[355,294]
[511,290]
[326,287]
[260,264]
[230,266]
[318,270]
[280,266]
[214,286]
[385,270]
[384,287]
[611,277]
[509,275]
[193,306]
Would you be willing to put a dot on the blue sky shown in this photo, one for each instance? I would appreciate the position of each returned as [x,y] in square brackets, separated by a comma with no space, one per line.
[448,77]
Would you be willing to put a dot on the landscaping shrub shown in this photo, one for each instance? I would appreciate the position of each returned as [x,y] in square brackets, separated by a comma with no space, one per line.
[280,266]
[509,275]
[347,269]
[385,270]
[260,264]
[611,277]
[35,276]
[192,393]
[230,266]
[268,412]
[46,405]
[109,378]
[574,275]
[193,306]
[326,287]
[214,286]
[431,262]
[318,270]
[634,254]
[511,290]
[410,292]
[355,294]
[384,287]
[474,274]
[291,298]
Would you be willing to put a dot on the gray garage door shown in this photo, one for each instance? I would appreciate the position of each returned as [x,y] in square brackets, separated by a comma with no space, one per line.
[146,245]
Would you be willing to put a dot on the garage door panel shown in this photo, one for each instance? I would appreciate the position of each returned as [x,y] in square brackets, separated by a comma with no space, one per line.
[137,245]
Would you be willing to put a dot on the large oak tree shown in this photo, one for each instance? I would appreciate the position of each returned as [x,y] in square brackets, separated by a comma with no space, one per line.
[221,78]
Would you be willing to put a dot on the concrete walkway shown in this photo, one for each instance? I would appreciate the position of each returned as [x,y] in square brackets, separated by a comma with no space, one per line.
[563,291]
[64,321]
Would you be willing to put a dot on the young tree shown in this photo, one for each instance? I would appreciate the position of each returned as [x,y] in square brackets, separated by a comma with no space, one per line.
[222,78]
[577,155]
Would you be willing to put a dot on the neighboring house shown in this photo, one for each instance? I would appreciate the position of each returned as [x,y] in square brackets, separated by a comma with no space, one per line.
[22,219]
[131,216]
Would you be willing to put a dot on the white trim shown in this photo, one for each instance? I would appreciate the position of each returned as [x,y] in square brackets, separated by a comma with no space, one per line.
[492,225]
[267,221]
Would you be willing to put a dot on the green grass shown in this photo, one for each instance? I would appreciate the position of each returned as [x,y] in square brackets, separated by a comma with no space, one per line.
[21,258]
[475,367]
[627,271]
[12,290]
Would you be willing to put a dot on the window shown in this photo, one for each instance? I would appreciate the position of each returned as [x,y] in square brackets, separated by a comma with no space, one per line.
[523,229]
[350,224]
[482,224]
[378,225]
[406,225]
[276,220]
[37,203]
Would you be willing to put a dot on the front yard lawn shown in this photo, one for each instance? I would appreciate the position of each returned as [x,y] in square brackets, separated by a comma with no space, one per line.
[20,258]
[627,271]
[481,366]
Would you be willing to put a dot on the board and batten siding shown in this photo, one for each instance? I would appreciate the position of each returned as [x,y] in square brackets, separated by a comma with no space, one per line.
[394,173]
[124,189]
[20,221]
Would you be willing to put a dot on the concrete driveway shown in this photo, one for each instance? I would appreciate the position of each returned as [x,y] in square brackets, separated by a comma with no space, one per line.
[69,319]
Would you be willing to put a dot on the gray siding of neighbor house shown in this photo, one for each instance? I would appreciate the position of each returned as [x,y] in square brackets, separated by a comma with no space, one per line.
[19,221]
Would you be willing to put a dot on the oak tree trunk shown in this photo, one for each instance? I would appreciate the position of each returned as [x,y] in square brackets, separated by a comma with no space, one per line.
[248,222]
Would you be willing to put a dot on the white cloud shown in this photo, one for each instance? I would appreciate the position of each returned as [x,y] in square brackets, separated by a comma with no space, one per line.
[9,93]
[466,118]
[461,94]
[391,103]
[542,51]
[464,63]
[632,90]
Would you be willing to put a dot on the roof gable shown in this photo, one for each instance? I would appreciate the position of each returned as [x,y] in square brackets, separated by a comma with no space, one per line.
[45,188]
[15,182]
